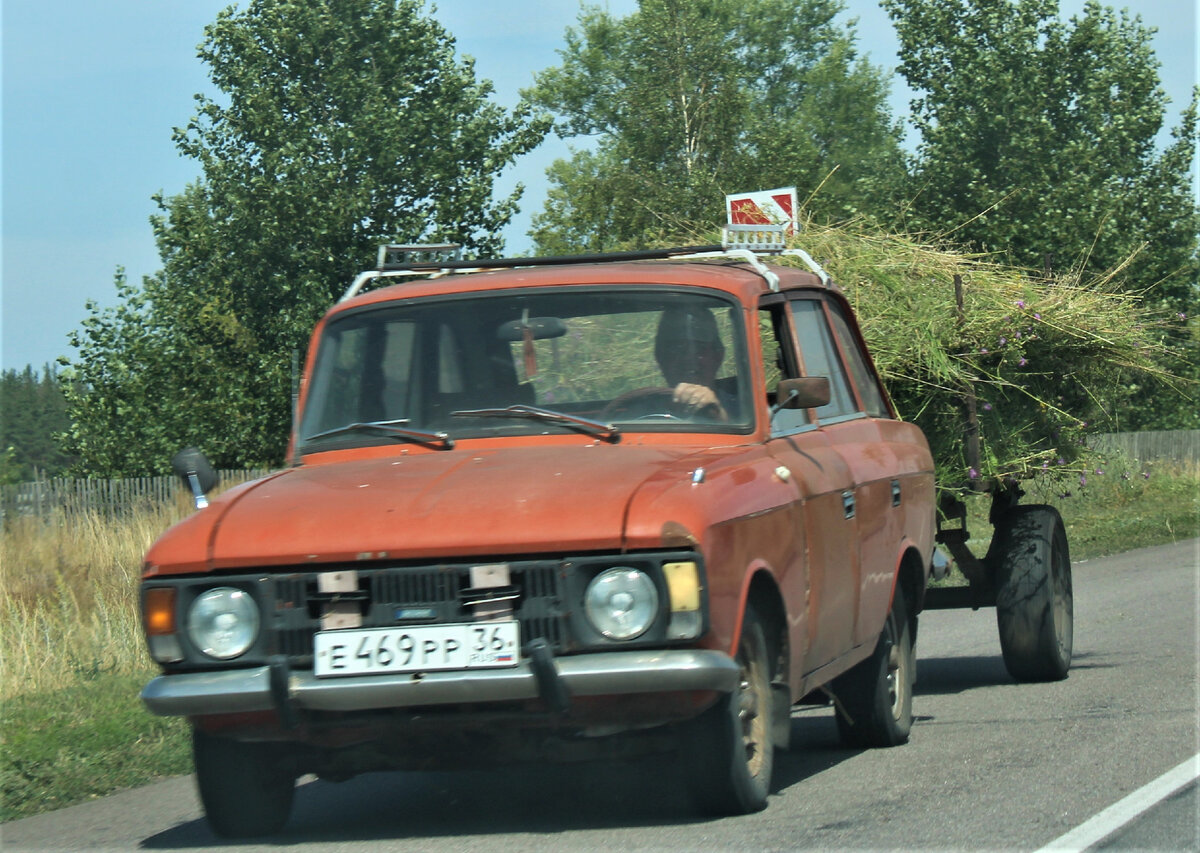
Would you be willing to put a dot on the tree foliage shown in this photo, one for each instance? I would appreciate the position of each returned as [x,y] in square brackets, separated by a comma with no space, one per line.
[33,413]
[1038,143]
[689,99]
[1038,138]
[340,125]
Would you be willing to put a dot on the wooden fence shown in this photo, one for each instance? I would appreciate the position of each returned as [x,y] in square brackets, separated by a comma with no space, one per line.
[115,497]
[1180,445]
[104,497]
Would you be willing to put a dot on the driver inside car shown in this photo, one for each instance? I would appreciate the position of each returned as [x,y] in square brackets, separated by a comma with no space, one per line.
[689,353]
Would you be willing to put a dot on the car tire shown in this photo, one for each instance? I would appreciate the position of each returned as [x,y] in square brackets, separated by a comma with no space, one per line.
[728,750]
[245,790]
[1034,598]
[875,697]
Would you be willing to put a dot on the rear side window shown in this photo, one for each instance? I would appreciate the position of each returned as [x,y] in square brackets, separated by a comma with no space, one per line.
[820,357]
[864,379]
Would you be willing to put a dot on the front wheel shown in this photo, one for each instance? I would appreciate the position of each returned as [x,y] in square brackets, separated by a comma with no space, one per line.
[1034,598]
[245,789]
[729,754]
[875,697]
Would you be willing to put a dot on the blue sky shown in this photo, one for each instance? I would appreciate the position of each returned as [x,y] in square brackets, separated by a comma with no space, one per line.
[91,91]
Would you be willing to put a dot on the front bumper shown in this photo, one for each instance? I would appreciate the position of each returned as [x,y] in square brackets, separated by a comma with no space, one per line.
[595,674]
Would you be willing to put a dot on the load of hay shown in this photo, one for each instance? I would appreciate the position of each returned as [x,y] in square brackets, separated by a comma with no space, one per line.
[1038,358]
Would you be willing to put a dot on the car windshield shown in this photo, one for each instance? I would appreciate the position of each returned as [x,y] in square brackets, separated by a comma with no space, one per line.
[635,359]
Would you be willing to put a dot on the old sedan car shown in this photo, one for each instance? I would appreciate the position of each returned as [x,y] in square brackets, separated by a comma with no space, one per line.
[568,509]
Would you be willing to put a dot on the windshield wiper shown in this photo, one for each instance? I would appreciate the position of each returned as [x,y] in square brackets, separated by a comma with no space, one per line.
[392,428]
[606,431]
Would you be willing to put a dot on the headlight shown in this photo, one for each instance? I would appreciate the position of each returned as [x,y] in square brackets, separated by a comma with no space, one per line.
[621,603]
[223,622]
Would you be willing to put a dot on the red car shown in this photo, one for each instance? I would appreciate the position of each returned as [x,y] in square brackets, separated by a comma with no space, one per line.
[556,508]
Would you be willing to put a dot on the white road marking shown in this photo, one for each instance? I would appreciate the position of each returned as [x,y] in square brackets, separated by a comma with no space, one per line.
[1120,813]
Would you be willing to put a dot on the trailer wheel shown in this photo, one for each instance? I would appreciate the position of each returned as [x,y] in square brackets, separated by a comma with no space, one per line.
[244,788]
[728,751]
[876,695]
[1034,601]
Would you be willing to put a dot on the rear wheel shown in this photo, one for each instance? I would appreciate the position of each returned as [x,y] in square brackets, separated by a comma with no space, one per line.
[243,785]
[876,696]
[1034,598]
[729,753]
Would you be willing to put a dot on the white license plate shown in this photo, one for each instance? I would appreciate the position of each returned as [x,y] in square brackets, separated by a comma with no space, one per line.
[417,648]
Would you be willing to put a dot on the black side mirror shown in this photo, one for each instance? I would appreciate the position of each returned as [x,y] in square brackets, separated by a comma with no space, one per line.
[806,392]
[193,467]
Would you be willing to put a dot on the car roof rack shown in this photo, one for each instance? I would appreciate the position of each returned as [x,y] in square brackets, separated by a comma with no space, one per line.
[739,242]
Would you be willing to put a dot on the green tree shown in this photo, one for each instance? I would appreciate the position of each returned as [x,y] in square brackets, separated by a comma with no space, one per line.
[1037,139]
[33,414]
[340,124]
[1038,143]
[689,99]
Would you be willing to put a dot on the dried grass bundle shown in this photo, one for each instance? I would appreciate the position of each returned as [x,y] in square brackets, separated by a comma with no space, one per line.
[1042,355]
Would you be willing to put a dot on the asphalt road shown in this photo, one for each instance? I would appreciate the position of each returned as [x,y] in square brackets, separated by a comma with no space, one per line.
[991,764]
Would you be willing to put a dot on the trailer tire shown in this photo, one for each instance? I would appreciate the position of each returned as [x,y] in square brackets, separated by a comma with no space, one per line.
[875,697]
[1034,599]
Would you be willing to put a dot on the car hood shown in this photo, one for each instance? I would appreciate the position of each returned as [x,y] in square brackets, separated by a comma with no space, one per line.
[425,505]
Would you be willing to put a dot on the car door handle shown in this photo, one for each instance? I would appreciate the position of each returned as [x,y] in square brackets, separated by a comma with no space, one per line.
[848,504]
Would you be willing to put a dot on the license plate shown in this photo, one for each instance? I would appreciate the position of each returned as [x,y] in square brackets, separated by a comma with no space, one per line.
[416,648]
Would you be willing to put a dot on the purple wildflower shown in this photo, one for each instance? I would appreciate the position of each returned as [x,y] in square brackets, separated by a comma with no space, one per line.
[1003,341]
[1045,463]
[1182,316]
[1021,362]
[973,474]
[1020,303]
[1061,461]
[987,407]
[1037,316]
[1082,480]
[983,350]
[1099,471]
[1145,475]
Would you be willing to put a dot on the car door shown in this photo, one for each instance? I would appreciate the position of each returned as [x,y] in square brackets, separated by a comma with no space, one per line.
[822,597]
[883,455]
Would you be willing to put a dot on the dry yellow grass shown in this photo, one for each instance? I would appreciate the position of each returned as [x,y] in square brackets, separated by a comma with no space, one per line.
[68,583]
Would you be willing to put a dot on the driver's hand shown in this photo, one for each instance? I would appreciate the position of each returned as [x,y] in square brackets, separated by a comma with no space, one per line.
[696,398]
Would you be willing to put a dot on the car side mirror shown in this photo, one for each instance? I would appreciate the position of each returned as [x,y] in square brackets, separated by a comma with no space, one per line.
[197,473]
[806,392]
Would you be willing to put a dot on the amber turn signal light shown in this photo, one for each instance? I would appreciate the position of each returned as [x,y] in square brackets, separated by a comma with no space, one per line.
[158,609]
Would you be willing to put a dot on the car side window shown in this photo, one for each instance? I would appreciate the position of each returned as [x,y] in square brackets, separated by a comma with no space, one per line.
[779,363]
[869,392]
[819,355]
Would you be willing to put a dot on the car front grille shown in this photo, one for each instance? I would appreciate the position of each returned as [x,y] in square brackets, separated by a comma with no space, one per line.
[422,595]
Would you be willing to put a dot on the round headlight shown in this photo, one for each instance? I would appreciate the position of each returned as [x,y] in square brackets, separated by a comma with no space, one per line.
[223,622]
[621,603]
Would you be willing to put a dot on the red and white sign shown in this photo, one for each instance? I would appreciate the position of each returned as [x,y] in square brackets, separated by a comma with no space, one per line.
[766,207]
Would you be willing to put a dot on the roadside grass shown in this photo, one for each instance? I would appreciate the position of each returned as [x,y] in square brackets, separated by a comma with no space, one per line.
[66,746]
[1118,505]
[72,662]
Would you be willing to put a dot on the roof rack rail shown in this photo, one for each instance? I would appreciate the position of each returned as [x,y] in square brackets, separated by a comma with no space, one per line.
[739,242]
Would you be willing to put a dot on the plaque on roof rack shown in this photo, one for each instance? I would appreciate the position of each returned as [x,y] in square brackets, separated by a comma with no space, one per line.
[395,254]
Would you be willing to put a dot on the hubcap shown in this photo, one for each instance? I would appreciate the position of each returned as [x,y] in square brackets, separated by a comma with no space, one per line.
[895,675]
[750,719]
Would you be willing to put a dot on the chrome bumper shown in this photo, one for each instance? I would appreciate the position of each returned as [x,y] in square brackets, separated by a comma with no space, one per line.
[597,674]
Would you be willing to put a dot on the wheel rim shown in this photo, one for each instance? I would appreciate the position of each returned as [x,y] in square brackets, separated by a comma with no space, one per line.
[750,718]
[895,677]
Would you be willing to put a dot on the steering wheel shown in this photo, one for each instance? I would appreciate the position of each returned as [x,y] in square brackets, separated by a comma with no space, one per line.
[642,403]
